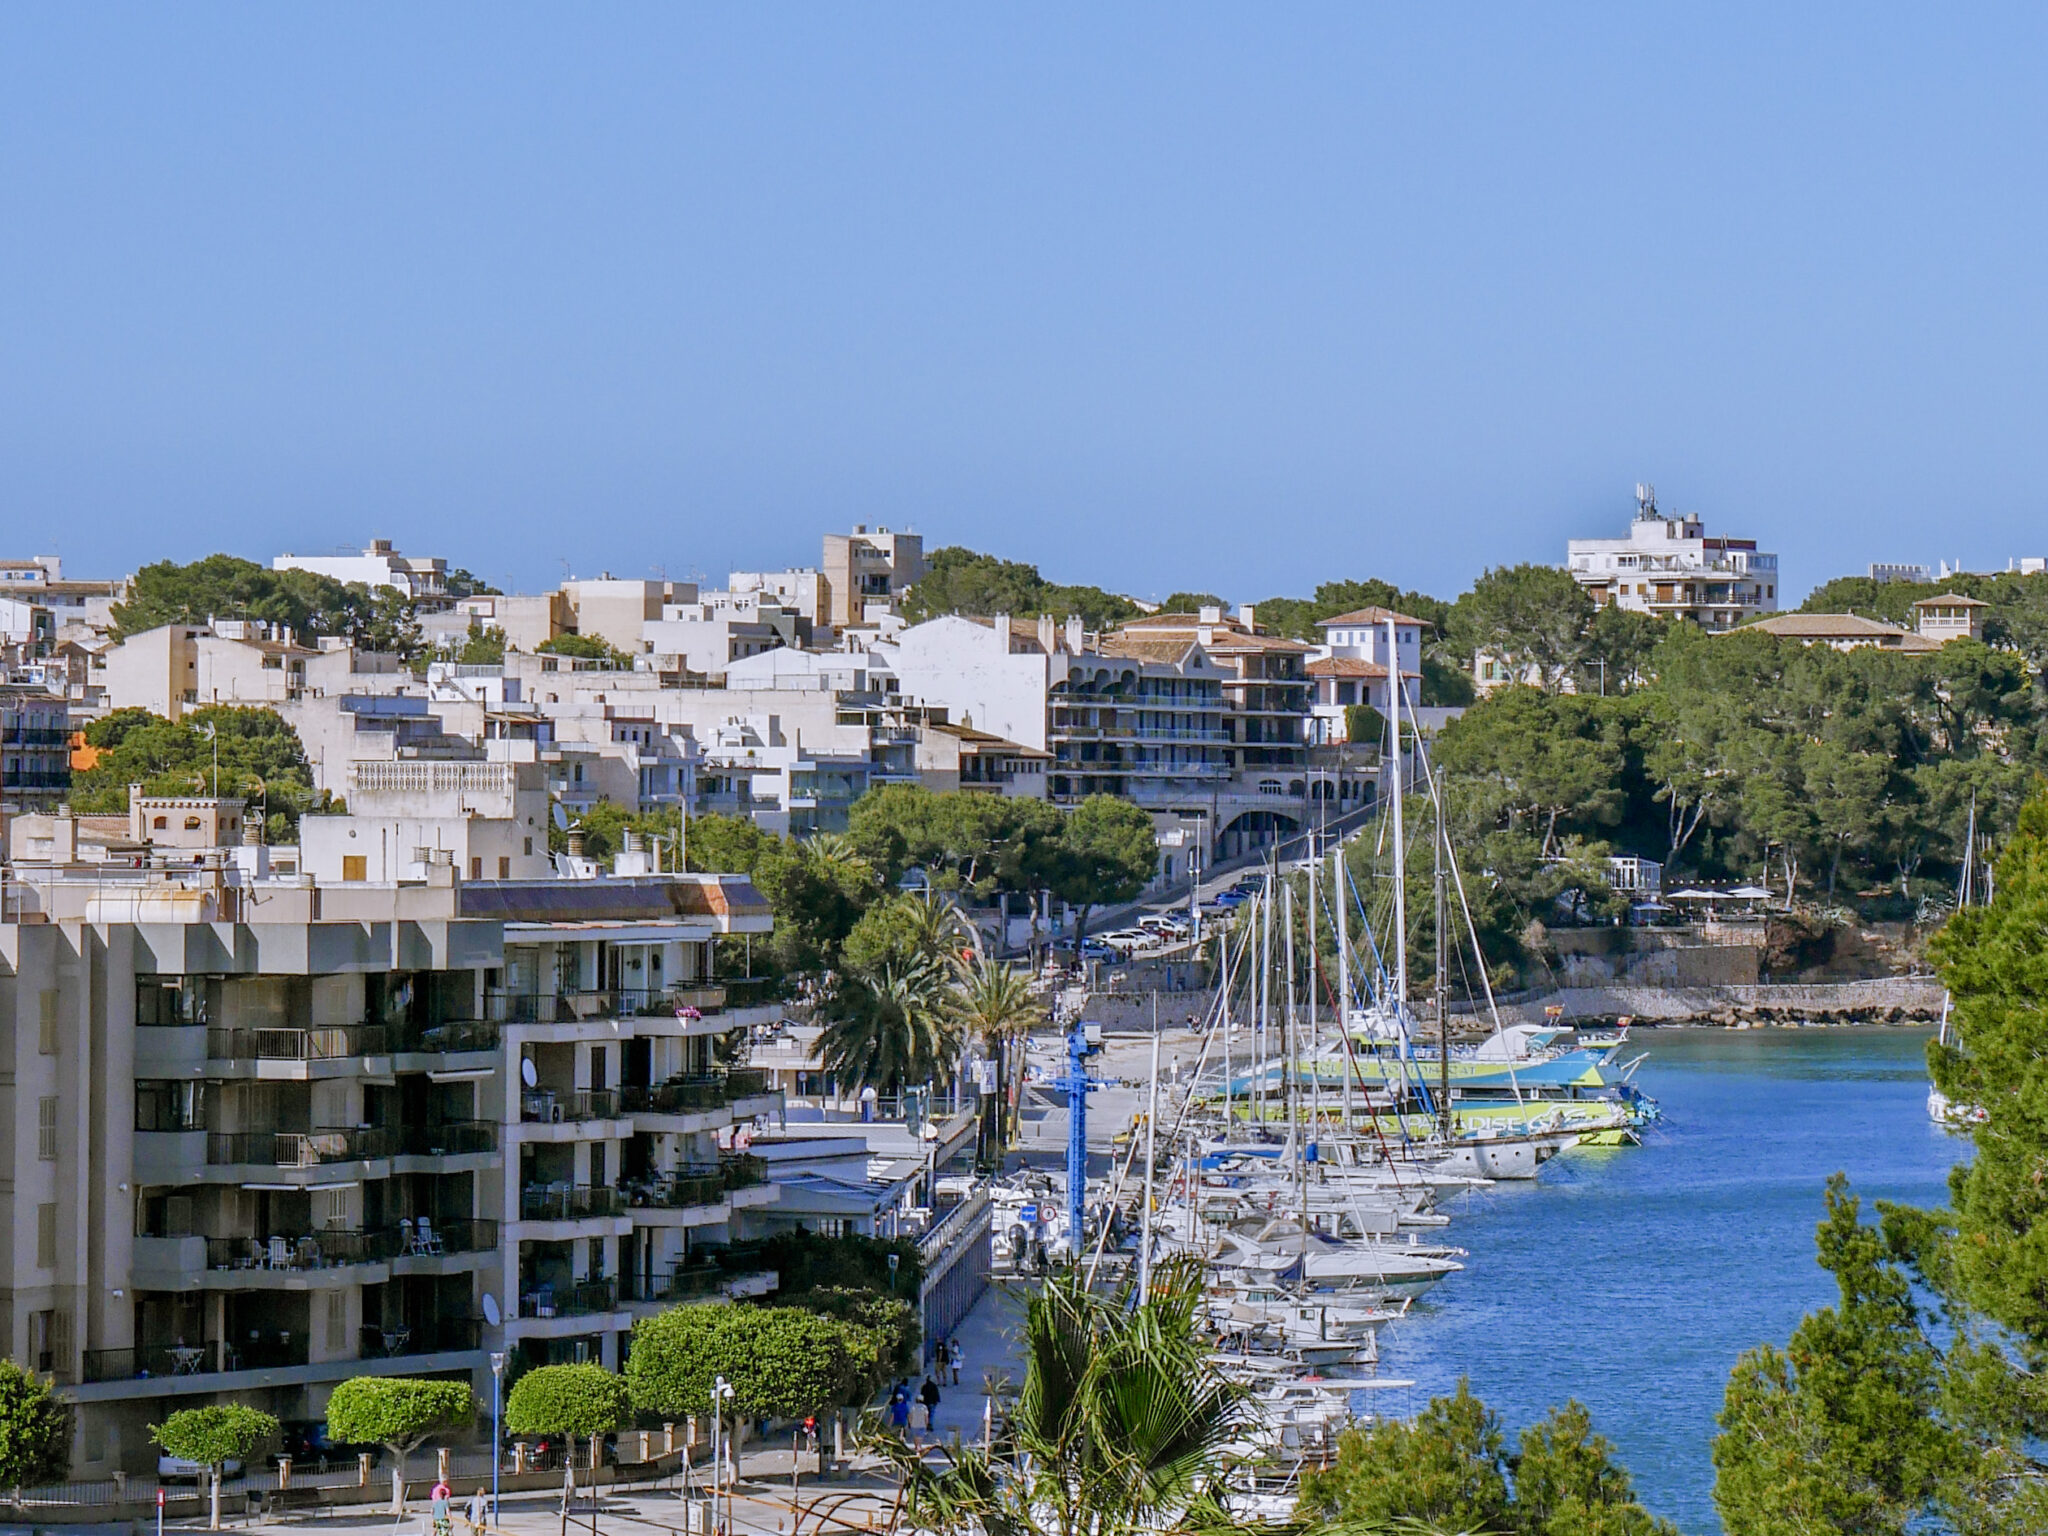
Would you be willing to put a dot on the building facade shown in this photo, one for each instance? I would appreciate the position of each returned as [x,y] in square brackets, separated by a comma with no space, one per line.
[1669,567]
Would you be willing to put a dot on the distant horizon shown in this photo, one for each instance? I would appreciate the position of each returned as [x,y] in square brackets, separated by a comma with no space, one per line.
[714,581]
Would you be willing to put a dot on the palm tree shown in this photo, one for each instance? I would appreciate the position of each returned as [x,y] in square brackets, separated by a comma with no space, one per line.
[993,1003]
[1122,1424]
[891,1027]
[938,929]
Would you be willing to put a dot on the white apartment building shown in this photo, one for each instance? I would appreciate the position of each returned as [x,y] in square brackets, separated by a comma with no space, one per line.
[867,572]
[424,580]
[270,1133]
[1361,655]
[81,610]
[488,821]
[1667,566]
[720,628]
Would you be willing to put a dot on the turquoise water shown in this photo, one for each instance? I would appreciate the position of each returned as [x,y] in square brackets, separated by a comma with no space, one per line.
[1632,1278]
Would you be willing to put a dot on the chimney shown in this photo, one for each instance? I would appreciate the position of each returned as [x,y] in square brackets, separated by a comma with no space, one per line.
[1048,633]
[63,837]
[1003,633]
[138,824]
[575,842]
[1248,616]
[1076,637]
[1210,615]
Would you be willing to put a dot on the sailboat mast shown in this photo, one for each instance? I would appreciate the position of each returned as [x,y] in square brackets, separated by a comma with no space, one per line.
[1400,840]
[1315,1036]
[1151,1133]
[1291,1046]
[1443,1002]
[1341,878]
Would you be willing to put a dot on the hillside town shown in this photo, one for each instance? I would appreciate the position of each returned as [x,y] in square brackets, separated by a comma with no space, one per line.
[410,980]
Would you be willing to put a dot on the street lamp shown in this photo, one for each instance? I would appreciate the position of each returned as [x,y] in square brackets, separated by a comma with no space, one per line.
[497,1423]
[721,1389]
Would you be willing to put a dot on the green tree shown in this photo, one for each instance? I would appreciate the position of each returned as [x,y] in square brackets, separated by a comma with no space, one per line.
[890,1320]
[782,1362]
[1120,1426]
[483,647]
[1107,853]
[889,1028]
[1567,1482]
[212,1437]
[1538,762]
[959,580]
[577,1402]
[1527,616]
[35,1430]
[1191,602]
[463,583]
[994,1004]
[1448,1468]
[223,586]
[903,931]
[1837,1433]
[587,648]
[400,1413]
[259,756]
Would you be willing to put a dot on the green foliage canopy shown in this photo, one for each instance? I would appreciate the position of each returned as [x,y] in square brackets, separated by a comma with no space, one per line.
[259,754]
[783,1362]
[958,580]
[35,1430]
[397,1412]
[214,1435]
[577,1400]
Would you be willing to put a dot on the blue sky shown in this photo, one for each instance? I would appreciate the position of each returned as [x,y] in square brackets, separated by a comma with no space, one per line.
[1239,298]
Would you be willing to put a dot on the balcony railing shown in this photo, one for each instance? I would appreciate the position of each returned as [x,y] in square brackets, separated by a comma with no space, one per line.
[686,1187]
[441,1335]
[685,1282]
[148,1360]
[301,1251]
[335,1042]
[299,1149]
[451,1138]
[550,1106]
[602,1003]
[568,1202]
[453,1035]
[582,1299]
[688,1095]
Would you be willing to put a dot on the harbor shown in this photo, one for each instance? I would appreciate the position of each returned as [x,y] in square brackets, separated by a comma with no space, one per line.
[1630,1278]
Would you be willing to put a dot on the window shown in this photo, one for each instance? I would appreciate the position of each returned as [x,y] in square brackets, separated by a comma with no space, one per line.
[170,1000]
[46,1128]
[46,1236]
[504,867]
[192,823]
[159,824]
[476,869]
[527,849]
[170,1105]
[355,866]
[337,1319]
[47,1012]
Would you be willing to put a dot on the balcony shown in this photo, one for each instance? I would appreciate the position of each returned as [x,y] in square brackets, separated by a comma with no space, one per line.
[149,1360]
[337,1042]
[583,1299]
[569,1202]
[688,1187]
[451,1138]
[449,1037]
[303,1251]
[603,1003]
[300,1149]
[444,1335]
[689,1281]
[693,1095]
[550,1106]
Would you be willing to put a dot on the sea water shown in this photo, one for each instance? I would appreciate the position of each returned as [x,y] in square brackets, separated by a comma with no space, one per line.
[1632,1278]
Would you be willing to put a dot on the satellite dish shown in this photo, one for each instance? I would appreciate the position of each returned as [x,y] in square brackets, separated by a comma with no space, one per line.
[561,816]
[527,1075]
[491,1314]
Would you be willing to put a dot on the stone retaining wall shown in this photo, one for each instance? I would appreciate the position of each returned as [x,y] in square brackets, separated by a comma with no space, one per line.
[1886,1000]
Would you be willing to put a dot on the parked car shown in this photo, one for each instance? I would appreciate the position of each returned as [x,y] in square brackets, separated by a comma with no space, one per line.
[176,1469]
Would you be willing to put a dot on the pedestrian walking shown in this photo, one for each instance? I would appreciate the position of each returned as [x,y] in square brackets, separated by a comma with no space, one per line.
[953,1359]
[899,1407]
[929,1396]
[479,1513]
[939,1358]
[443,1524]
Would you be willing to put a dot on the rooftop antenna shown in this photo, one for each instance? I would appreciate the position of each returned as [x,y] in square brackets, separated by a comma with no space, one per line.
[1646,499]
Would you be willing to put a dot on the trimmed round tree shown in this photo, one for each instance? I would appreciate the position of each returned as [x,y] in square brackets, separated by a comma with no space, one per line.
[576,1402]
[213,1437]
[399,1413]
[783,1363]
[35,1430]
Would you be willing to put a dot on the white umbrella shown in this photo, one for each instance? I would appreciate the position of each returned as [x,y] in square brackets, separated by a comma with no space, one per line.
[1751,893]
